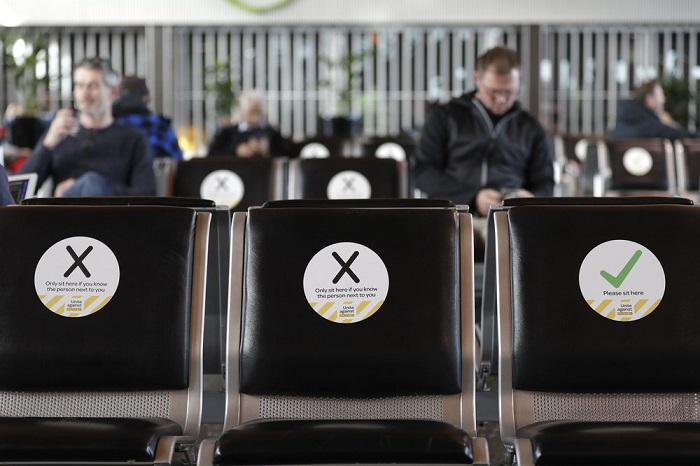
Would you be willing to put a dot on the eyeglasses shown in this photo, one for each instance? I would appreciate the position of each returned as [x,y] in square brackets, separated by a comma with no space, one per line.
[494,93]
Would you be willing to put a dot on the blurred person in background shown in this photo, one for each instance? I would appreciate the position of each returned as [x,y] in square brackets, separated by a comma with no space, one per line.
[483,146]
[87,153]
[644,116]
[252,135]
[132,108]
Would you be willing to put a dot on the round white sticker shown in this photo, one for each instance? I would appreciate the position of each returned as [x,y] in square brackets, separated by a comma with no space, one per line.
[581,149]
[637,161]
[622,280]
[314,150]
[390,150]
[76,277]
[223,187]
[346,283]
[349,184]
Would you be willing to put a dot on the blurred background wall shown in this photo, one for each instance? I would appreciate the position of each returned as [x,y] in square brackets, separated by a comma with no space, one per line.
[382,62]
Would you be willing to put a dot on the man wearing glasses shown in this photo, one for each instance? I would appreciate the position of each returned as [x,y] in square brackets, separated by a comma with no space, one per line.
[482,147]
[84,151]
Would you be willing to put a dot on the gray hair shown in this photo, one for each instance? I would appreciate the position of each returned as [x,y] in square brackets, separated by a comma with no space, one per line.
[104,65]
[250,96]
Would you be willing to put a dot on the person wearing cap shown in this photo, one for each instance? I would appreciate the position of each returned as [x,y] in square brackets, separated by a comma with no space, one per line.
[131,108]
[84,151]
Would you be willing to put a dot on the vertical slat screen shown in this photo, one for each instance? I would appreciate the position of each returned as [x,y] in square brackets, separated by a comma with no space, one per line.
[596,66]
[402,69]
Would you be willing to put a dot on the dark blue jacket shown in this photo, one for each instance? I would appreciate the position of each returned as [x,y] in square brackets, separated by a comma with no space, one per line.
[636,120]
[132,111]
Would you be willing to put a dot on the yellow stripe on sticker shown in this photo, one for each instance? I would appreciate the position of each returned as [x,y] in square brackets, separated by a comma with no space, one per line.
[103,303]
[90,300]
[603,305]
[327,308]
[54,301]
[651,308]
[374,309]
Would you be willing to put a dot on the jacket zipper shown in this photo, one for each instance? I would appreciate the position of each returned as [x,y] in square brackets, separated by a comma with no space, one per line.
[494,131]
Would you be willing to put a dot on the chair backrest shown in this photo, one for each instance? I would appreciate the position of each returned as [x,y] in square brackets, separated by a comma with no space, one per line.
[336,319]
[347,178]
[231,181]
[688,166]
[488,324]
[164,168]
[217,261]
[111,320]
[576,153]
[638,166]
[595,305]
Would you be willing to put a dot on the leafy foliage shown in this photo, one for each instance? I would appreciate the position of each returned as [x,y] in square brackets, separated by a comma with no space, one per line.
[220,85]
[678,98]
[345,77]
[22,55]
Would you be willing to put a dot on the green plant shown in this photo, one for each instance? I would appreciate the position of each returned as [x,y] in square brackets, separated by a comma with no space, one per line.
[678,98]
[344,78]
[23,54]
[220,85]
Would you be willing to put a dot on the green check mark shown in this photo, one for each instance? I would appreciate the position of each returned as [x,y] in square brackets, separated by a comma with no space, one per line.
[617,281]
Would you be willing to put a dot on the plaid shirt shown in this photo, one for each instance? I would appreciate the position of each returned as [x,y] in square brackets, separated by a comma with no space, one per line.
[157,129]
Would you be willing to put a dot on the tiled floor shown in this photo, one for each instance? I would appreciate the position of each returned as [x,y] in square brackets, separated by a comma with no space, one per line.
[497,452]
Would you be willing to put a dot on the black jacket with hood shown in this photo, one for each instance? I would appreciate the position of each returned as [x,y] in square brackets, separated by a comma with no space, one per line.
[461,152]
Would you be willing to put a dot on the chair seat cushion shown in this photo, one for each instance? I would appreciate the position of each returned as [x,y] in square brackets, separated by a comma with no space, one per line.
[82,439]
[343,441]
[613,443]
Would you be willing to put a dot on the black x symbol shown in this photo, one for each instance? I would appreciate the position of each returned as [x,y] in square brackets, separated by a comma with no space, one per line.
[221,183]
[78,261]
[345,267]
[348,183]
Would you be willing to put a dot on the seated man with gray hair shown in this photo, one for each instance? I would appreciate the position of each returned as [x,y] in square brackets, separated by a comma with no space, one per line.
[252,135]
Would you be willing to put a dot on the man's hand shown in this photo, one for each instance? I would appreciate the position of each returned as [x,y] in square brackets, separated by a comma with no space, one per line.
[516,193]
[253,147]
[63,186]
[485,198]
[488,197]
[63,125]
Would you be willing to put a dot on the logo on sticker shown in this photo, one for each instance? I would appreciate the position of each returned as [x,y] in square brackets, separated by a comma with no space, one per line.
[349,184]
[346,283]
[224,187]
[622,280]
[76,277]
